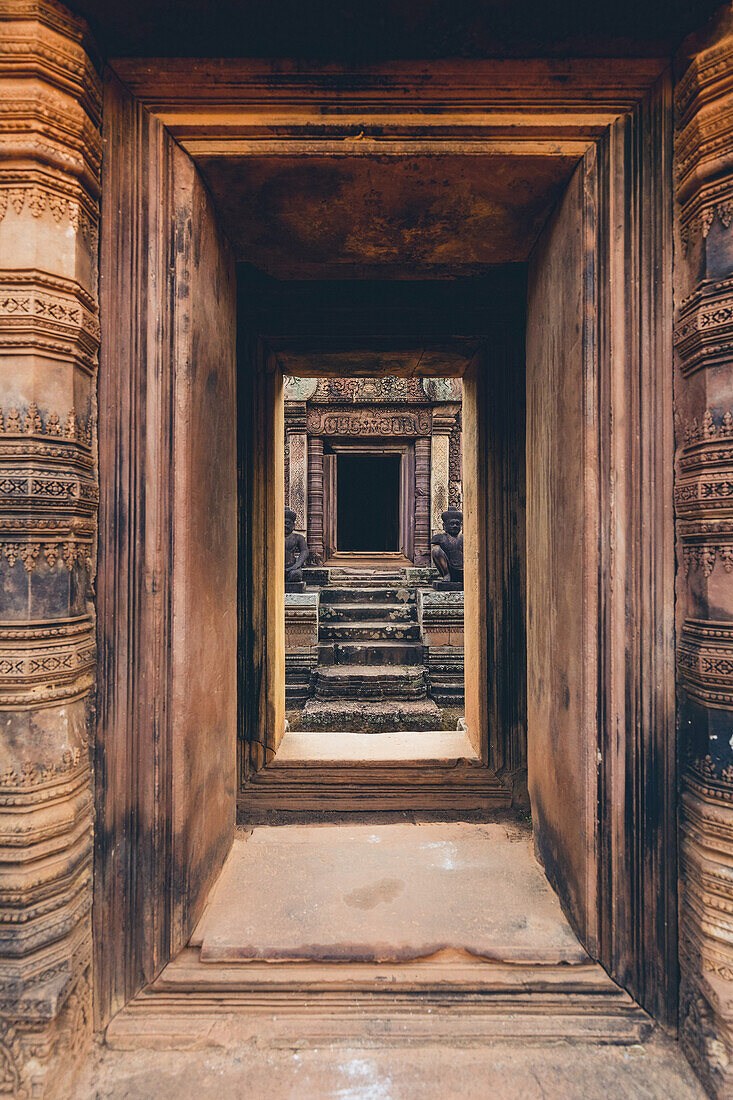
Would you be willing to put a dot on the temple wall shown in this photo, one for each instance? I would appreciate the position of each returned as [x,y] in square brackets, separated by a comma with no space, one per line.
[561,610]
[50,154]
[600,545]
[167,583]
[703,337]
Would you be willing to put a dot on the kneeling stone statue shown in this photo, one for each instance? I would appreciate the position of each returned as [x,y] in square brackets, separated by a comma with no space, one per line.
[296,555]
[447,552]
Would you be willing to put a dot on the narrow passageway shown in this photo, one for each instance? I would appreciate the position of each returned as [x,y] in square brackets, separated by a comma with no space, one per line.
[386,893]
[386,961]
[372,934]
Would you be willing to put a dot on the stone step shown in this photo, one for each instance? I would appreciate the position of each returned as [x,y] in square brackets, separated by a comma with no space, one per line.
[390,612]
[368,631]
[370,717]
[371,682]
[379,594]
[371,653]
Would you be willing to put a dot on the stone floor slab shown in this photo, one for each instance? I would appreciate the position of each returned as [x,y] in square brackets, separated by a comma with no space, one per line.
[385,893]
[655,1070]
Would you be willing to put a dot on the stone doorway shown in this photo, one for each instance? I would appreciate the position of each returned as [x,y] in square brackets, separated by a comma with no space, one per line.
[364,503]
[560,257]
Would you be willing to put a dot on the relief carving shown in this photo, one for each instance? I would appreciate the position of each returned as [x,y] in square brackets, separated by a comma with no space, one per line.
[50,157]
[703,344]
[368,422]
[369,390]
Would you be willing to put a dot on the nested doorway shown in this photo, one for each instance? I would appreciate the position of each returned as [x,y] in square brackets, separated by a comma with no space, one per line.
[368,501]
[597,633]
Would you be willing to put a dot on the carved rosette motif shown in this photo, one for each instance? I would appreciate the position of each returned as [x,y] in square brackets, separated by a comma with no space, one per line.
[50,158]
[703,345]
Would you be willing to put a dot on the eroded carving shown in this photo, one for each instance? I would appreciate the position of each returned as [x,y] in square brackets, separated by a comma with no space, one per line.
[447,551]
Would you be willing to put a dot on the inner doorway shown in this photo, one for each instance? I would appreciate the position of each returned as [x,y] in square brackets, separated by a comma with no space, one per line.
[366,501]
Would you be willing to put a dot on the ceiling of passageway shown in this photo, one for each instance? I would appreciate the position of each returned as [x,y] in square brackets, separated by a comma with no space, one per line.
[384,217]
[362,30]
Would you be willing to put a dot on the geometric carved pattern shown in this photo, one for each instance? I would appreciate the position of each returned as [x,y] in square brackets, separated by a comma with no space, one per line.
[705,661]
[45,663]
[703,333]
[703,344]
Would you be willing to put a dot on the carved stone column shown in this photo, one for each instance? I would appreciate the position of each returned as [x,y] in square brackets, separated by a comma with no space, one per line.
[422,501]
[296,489]
[315,495]
[444,421]
[50,153]
[704,508]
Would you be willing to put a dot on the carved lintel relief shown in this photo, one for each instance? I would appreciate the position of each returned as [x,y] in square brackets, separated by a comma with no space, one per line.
[703,345]
[370,391]
[50,157]
[367,421]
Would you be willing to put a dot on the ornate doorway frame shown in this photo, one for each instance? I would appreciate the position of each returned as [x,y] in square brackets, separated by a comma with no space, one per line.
[613,119]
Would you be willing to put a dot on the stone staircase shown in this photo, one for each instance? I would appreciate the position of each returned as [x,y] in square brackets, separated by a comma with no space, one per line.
[370,676]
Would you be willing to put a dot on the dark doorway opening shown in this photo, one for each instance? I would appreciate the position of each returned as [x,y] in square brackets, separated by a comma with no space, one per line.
[368,502]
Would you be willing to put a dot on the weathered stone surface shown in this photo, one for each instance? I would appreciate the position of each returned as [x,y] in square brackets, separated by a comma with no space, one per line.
[440,615]
[385,893]
[369,652]
[50,154]
[510,1070]
[703,338]
[301,645]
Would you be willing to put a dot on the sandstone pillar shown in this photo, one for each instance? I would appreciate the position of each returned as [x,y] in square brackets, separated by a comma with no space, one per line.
[422,501]
[443,424]
[315,495]
[704,508]
[296,490]
[50,153]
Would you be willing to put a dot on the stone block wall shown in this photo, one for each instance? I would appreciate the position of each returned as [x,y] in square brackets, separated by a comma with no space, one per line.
[440,615]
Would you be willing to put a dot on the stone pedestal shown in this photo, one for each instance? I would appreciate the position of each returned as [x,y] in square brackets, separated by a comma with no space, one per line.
[440,617]
[301,645]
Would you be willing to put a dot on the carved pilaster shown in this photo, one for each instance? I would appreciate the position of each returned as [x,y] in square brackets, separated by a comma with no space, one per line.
[455,466]
[50,154]
[422,501]
[315,496]
[444,421]
[296,466]
[703,341]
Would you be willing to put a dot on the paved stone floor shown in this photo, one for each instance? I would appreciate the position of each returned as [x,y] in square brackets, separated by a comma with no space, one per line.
[385,892]
[654,1071]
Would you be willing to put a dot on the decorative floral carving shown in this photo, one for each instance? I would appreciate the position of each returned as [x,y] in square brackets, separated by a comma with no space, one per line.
[32,424]
[369,390]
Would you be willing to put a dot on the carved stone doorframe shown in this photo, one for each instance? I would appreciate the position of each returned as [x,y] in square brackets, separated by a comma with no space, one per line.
[610,110]
[615,111]
[406,523]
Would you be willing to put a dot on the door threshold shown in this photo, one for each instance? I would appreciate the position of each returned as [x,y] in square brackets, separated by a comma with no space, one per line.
[439,746]
[348,560]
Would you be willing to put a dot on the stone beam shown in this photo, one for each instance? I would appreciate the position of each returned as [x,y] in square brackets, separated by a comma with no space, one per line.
[50,154]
